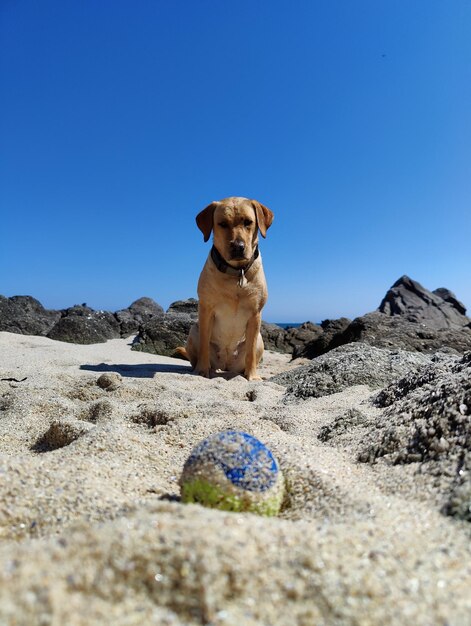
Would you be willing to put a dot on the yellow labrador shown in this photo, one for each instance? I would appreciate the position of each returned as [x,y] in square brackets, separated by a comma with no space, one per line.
[232,290]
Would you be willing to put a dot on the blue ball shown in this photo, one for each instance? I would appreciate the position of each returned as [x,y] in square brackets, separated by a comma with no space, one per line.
[233,471]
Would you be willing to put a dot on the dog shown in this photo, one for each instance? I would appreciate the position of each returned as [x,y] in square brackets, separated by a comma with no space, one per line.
[232,290]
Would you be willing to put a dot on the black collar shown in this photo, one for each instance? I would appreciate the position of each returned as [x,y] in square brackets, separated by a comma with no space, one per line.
[224,267]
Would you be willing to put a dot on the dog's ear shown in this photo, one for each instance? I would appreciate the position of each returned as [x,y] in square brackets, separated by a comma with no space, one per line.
[204,220]
[264,217]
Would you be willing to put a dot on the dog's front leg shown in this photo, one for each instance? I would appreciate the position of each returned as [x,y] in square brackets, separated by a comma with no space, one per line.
[205,323]
[252,355]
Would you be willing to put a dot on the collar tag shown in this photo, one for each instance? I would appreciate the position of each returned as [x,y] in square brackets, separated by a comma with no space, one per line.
[242,280]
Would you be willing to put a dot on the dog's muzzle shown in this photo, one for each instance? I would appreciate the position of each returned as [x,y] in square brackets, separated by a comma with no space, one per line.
[237,249]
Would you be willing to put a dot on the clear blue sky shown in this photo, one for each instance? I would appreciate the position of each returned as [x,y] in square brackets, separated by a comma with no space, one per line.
[120,120]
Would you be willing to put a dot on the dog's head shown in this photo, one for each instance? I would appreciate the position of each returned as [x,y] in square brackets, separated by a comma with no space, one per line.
[235,222]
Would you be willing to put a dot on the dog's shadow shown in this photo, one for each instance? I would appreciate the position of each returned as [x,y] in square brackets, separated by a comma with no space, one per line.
[144,370]
[147,370]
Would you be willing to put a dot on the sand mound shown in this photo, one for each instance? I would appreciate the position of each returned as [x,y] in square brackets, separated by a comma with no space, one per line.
[170,564]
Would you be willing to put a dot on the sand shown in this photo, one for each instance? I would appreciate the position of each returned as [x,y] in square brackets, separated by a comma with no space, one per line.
[92,531]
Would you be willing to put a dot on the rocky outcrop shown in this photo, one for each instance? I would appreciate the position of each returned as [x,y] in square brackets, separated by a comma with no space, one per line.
[190,307]
[81,324]
[164,333]
[296,337]
[329,337]
[386,331]
[438,310]
[353,364]
[159,332]
[409,317]
[273,337]
[26,316]
[78,324]
[136,315]
[289,340]
[449,296]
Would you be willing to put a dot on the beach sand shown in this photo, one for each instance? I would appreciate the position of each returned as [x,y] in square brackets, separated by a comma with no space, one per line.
[92,530]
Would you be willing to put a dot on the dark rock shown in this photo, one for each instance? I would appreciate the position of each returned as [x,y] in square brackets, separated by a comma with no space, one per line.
[82,310]
[77,324]
[163,334]
[298,336]
[145,308]
[190,307]
[136,315]
[273,337]
[384,331]
[329,337]
[290,340]
[83,325]
[449,296]
[410,300]
[343,367]
[128,323]
[26,315]
[409,318]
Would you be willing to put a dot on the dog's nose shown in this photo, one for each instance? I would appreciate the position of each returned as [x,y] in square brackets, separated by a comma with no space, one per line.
[238,248]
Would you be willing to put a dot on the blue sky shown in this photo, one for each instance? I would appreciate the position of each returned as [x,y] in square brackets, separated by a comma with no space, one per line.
[121,120]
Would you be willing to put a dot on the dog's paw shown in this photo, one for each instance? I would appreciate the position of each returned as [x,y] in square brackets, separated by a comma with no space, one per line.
[202,371]
[252,376]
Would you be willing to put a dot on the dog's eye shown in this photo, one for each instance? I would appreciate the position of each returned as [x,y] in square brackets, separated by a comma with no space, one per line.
[223,224]
[248,223]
